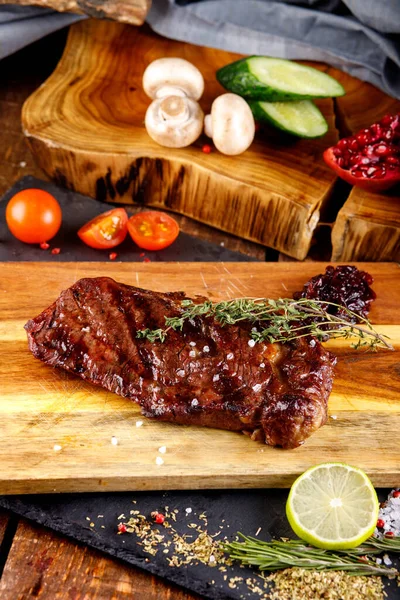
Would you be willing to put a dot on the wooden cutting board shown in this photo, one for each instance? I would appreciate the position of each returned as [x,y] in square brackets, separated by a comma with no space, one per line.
[85,127]
[42,408]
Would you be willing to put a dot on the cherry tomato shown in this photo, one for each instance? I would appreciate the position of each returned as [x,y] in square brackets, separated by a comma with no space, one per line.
[153,230]
[33,216]
[106,230]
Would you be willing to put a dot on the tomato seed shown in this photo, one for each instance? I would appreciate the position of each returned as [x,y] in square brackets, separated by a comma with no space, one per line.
[44,246]
[112,255]
[206,149]
[56,251]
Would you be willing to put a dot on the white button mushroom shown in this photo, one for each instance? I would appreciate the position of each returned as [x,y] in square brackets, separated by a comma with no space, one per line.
[174,121]
[172,77]
[230,124]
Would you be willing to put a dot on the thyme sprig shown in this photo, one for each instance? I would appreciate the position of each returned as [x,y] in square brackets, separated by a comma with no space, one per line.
[279,320]
[277,554]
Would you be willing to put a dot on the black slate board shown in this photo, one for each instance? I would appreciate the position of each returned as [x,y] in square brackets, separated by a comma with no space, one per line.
[77,210]
[234,510]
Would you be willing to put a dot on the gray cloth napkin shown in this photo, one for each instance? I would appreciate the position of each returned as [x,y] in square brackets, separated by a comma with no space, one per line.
[361,37]
[22,25]
[358,36]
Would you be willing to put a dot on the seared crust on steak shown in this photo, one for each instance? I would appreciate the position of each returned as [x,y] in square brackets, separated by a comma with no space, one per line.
[205,375]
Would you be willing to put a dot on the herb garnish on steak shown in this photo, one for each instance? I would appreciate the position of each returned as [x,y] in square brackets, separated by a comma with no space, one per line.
[206,374]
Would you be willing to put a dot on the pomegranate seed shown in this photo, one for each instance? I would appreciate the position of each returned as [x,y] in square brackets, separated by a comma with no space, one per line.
[337,152]
[146,260]
[371,171]
[353,145]
[376,129]
[342,144]
[379,172]
[122,528]
[206,149]
[386,120]
[158,517]
[380,523]
[56,251]
[354,160]
[44,246]
[382,150]
[362,139]
[389,534]
[341,162]
[396,494]
[112,255]
[393,160]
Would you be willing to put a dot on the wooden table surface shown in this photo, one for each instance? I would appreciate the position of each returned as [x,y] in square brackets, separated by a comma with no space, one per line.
[36,563]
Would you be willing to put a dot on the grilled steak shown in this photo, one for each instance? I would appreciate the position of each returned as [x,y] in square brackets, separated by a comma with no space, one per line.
[205,375]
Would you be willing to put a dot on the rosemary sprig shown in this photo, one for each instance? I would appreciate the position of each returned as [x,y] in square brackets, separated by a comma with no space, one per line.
[277,554]
[279,320]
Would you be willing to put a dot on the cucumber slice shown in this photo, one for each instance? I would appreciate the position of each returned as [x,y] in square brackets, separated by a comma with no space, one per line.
[301,118]
[277,80]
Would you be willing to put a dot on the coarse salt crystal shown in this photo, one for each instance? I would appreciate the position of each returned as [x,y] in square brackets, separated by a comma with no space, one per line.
[194,402]
[139,423]
[57,448]
[206,349]
[188,510]
[162,449]
[230,356]
[212,559]
[387,560]
[159,460]
[192,344]
[192,353]
[86,329]
[378,561]
[180,373]
[251,343]
[334,417]
[114,441]
[312,343]
[262,365]
[22,164]
[257,387]
[216,377]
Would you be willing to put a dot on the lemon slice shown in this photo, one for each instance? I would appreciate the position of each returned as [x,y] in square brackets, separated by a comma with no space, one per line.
[333,506]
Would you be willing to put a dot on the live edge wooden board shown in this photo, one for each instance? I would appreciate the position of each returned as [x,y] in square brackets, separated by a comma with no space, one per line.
[84,126]
[42,407]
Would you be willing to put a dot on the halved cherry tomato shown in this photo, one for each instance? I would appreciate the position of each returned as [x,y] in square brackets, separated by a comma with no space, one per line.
[33,216]
[106,230]
[153,230]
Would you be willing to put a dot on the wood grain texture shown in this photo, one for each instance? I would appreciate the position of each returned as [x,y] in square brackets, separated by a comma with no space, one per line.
[85,128]
[42,407]
[4,518]
[125,11]
[43,565]
[367,227]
